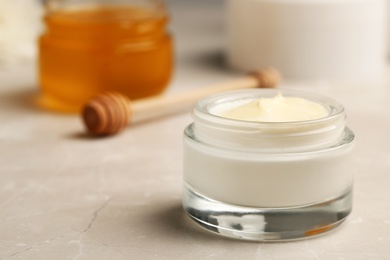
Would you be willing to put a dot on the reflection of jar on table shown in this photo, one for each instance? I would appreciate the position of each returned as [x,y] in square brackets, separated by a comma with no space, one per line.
[96,46]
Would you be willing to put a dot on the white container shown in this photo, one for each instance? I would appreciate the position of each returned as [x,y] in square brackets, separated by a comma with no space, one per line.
[388,30]
[246,179]
[310,39]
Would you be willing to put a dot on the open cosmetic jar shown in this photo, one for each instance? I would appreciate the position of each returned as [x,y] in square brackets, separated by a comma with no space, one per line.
[267,181]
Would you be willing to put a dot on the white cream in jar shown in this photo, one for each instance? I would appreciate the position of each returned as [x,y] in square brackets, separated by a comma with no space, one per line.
[276,109]
[254,150]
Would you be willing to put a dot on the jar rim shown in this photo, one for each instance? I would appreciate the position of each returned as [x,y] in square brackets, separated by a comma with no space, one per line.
[229,133]
[154,7]
[203,106]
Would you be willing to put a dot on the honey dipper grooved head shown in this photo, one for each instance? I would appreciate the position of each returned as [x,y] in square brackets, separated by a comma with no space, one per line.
[267,77]
[106,114]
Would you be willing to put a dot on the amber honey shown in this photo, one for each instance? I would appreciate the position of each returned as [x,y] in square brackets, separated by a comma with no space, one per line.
[89,50]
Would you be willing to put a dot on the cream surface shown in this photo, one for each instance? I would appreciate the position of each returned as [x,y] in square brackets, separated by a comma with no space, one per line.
[277,109]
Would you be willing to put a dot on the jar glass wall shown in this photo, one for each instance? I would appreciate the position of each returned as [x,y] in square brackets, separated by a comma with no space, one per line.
[95,46]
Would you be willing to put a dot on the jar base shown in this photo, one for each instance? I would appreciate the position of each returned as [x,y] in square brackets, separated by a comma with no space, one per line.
[266,224]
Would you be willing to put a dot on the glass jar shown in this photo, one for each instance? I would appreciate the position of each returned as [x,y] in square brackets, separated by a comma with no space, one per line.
[267,180]
[93,46]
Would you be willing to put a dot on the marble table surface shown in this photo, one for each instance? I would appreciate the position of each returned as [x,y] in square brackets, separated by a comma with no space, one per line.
[64,195]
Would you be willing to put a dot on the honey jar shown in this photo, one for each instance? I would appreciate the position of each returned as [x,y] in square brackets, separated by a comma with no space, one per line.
[92,46]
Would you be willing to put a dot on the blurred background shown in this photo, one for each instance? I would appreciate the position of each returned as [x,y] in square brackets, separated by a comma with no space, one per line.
[20,26]
[320,41]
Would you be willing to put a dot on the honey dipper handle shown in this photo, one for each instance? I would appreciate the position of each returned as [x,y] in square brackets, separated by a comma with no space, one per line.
[163,105]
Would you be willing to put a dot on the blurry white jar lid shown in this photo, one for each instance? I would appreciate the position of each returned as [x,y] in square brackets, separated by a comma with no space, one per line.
[310,40]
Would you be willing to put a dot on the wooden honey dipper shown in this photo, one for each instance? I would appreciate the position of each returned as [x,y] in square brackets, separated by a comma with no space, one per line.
[109,113]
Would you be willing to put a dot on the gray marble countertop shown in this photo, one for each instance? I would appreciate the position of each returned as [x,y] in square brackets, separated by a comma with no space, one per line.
[66,196]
